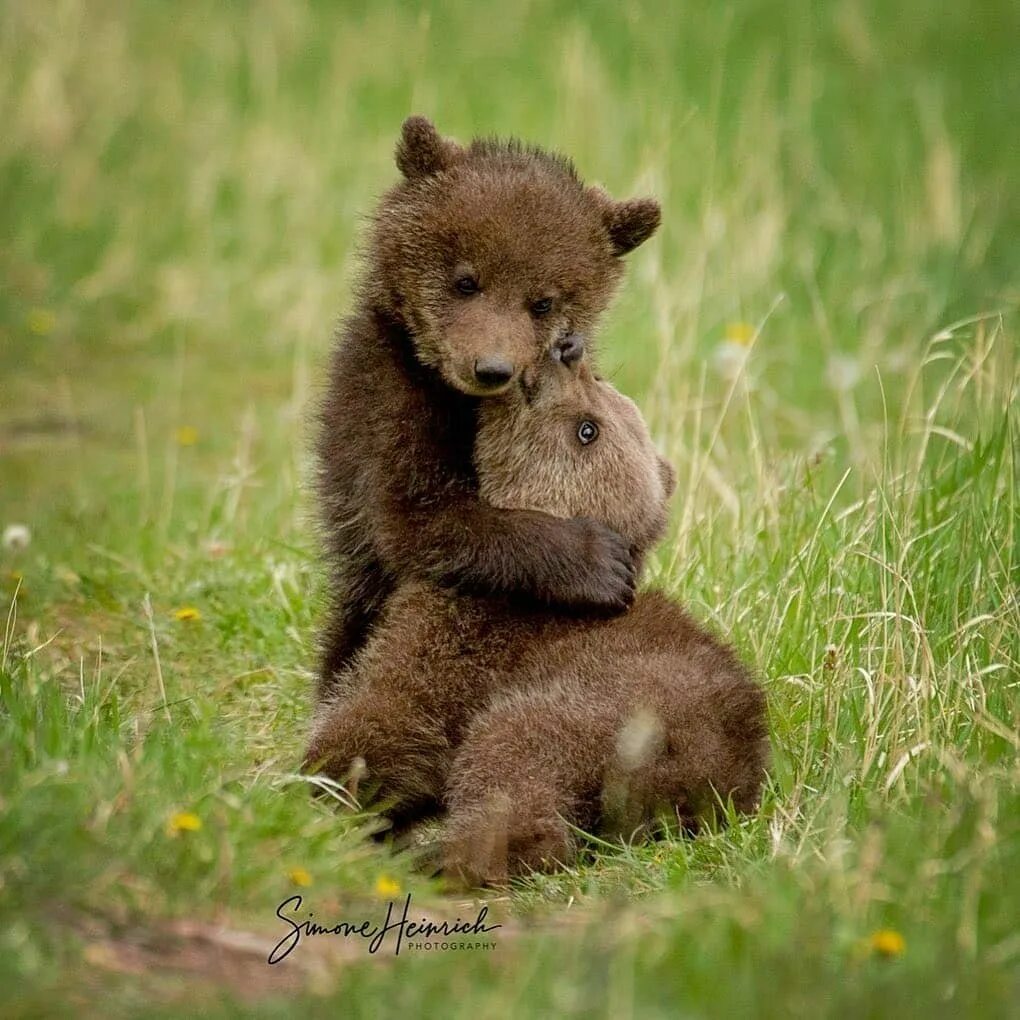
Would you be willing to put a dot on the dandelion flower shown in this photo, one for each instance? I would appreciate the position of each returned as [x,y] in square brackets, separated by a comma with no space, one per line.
[300,876]
[741,333]
[887,942]
[186,435]
[386,887]
[187,614]
[41,321]
[733,351]
[17,537]
[183,821]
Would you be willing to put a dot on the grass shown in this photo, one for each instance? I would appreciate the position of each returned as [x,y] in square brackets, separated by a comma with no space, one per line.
[182,189]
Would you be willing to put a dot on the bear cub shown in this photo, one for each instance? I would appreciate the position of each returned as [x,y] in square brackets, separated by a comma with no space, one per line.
[479,262]
[522,722]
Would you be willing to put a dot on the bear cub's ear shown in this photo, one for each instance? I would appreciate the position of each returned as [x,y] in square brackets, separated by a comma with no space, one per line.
[422,151]
[628,223]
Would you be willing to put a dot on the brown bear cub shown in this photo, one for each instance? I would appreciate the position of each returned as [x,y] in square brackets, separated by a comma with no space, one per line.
[521,721]
[480,261]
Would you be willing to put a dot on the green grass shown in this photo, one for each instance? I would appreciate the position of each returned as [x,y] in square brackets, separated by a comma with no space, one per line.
[182,188]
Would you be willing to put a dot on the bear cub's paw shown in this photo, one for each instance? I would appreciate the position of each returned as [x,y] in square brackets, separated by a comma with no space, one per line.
[504,838]
[602,576]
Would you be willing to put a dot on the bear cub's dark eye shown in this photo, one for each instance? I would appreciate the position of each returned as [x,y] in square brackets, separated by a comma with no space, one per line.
[466,285]
[543,306]
[587,432]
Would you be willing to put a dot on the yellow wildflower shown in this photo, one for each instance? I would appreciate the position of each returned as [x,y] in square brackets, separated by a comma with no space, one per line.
[186,435]
[740,333]
[187,614]
[300,876]
[183,821]
[386,887]
[41,321]
[886,942]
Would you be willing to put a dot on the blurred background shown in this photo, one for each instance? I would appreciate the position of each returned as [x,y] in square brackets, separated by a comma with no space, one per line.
[183,187]
[822,335]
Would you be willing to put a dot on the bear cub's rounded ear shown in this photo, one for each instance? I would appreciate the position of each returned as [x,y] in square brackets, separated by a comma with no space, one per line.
[629,223]
[422,151]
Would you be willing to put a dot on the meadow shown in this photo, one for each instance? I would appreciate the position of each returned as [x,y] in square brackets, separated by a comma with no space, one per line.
[823,336]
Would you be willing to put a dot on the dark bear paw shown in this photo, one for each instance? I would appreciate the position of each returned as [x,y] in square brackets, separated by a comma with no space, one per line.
[600,576]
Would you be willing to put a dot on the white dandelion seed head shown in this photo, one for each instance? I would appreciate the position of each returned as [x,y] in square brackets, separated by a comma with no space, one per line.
[17,537]
[730,358]
[844,373]
[640,735]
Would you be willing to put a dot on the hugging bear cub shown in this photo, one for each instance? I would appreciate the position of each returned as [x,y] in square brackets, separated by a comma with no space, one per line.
[480,261]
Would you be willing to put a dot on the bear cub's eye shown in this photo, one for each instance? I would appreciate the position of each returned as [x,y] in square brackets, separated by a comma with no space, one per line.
[543,306]
[466,285]
[587,432]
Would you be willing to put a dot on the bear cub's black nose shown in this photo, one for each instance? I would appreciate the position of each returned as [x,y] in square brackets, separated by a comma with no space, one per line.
[495,371]
[569,349]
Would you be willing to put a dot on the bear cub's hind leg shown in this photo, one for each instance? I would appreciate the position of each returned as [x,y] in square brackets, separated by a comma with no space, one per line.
[403,752]
[529,769]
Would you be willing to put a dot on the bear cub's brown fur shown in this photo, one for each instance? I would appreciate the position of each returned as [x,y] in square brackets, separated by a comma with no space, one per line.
[521,721]
[481,260]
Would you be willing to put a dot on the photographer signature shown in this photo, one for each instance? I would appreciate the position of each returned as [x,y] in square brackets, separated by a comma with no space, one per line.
[403,928]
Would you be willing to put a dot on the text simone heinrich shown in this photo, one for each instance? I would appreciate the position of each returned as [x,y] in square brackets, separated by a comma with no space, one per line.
[423,935]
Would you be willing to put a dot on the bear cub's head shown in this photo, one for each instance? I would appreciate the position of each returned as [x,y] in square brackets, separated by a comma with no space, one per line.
[492,253]
[567,443]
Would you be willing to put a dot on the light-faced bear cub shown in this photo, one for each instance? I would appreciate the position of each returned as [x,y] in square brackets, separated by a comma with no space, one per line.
[521,721]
